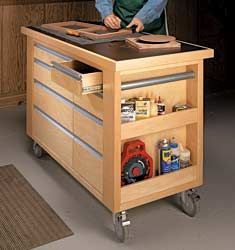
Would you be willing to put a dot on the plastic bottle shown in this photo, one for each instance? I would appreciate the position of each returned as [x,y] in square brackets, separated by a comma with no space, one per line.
[161,106]
[185,156]
[175,155]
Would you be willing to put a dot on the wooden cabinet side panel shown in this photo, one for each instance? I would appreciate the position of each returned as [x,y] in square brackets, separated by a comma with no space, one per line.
[112,140]
[14,44]
[29,86]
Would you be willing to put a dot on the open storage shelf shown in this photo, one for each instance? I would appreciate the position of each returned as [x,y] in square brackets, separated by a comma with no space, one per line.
[155,188]
[158,123]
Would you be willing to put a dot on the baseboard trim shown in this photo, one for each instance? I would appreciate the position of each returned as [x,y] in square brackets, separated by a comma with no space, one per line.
[12,100]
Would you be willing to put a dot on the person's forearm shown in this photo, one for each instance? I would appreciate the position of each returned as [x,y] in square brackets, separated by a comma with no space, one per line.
[151,10]
[105,7]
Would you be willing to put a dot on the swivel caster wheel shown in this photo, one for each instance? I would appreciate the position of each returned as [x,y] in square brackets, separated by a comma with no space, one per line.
[121,226]
[190,202]
[38,151]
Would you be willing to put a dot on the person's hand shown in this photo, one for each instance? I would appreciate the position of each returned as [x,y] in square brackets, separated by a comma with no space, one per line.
[112,22]
[139,24]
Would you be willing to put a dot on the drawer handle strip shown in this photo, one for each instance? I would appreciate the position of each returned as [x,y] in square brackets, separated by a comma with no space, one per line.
[158,80]
[53,52]
[88,148]
[53,93]
[78,140]
[69,103]
[42,64]
[70,72]
[51,120]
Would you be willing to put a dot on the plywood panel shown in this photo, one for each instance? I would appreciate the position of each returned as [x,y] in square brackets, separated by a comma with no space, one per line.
[14,44]
[0,48]
[171,8]
[58,12]
[187,14]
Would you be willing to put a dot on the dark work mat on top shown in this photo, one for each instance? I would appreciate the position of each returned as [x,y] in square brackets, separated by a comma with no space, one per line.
[26,220]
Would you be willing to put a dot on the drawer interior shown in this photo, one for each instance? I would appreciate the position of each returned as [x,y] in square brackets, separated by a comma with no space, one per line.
[80,67]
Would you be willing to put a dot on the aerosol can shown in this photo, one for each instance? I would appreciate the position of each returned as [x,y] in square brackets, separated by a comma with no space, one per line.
[164,147]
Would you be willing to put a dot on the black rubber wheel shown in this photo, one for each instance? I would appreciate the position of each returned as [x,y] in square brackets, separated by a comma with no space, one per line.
[38,151]
[122,231]
[190,202]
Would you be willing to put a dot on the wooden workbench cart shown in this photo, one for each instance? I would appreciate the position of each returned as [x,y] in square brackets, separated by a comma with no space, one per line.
[81,128]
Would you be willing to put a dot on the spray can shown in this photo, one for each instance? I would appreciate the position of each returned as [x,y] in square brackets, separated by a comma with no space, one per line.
[175,155]
[165,156]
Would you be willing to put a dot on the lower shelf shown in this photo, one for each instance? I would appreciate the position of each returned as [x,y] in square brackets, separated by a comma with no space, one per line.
[157,187]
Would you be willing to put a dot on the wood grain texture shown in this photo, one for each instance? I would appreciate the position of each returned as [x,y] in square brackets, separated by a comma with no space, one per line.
[14,44]
[59,12]
[56,108]
[12,100]
[187,14]
[59,143]
[1,15]
[145,191]
[88,166]
[29,86]
[164,122]
[112,140]
[23,2]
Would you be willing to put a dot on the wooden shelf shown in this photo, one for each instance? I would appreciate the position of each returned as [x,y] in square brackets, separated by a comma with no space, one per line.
[157,187]
[158,123]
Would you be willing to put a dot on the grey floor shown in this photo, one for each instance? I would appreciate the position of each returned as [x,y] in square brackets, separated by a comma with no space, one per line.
[159,225]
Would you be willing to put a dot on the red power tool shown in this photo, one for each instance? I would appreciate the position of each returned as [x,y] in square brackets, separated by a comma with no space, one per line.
[137,165]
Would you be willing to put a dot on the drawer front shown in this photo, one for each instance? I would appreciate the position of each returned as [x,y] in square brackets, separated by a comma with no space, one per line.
[42,73]
[55,139]
[92,103]
[48,56]
[56,106]
[88,164]
[76,77]
[89,128]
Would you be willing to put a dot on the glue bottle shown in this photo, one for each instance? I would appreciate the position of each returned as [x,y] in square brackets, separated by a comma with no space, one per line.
[161,106]
[175,155]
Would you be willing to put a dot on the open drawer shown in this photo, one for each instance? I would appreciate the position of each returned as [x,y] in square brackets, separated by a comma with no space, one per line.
[77,77]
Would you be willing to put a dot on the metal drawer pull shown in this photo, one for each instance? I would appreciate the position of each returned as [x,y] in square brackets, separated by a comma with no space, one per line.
[53,52]
[158,80]
[75,138]
[54,122]
[67,71]
[42,64]
[67,102]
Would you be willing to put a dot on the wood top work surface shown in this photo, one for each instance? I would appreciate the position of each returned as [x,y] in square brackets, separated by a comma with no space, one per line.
[121,51]
[23,2]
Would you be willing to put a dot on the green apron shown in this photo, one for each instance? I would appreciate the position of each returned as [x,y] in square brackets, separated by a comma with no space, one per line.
[127,9]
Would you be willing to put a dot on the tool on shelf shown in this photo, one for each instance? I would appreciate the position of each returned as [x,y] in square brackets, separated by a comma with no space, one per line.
[137,164]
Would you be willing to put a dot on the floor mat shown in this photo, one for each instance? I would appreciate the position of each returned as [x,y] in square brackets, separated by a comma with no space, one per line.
[26,220]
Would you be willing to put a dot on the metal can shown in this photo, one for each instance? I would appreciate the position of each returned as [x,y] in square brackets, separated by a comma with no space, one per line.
[165,156]
[180,107]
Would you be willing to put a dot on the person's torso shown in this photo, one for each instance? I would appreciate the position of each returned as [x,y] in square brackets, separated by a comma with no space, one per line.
[127,9]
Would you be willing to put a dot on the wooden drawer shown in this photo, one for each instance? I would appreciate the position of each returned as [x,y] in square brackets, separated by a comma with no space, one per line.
[48,56]
[53,138]
[89,128]
[77,77]
[56,106]
[42,73]
[88,164]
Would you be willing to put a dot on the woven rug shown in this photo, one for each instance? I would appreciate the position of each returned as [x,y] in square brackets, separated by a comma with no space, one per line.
[26,220]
